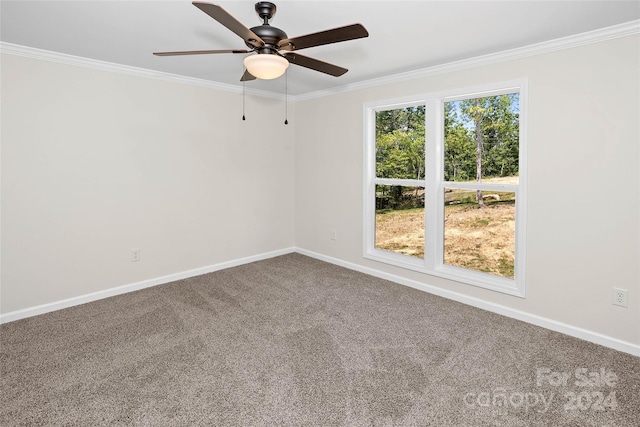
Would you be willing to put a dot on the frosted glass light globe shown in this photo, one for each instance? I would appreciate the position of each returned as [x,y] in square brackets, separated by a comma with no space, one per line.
[266,66]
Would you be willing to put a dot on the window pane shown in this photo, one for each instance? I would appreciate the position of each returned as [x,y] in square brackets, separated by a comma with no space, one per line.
[400,219]
[480,236]
[400,143]
[482,139]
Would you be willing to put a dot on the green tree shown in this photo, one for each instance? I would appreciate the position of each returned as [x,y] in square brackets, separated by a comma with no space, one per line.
[400,155]
[401,119]
[459,147]
[400,147]
[493,123]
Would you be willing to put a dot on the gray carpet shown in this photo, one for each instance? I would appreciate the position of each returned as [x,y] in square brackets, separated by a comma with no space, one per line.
[296,341]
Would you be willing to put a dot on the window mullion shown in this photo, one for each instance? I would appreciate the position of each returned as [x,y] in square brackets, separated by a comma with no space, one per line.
[433,191]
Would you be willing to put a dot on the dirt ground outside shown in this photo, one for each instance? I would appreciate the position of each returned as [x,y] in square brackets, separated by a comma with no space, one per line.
[481,239]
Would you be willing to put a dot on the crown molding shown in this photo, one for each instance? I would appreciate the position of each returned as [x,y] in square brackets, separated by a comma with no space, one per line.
[595,36]
[63,58]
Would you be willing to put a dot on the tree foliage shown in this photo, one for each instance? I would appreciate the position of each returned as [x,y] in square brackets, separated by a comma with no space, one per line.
[400,143]
[459,152]
[400,153]
[481,140]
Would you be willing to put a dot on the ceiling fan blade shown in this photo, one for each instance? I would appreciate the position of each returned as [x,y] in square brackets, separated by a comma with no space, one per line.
[314,64]
[199,52]
[341,34]
[226,19]
[247,76]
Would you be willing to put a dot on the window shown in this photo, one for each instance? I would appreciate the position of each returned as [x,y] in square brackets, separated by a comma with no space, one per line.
[400,170]
[444,190]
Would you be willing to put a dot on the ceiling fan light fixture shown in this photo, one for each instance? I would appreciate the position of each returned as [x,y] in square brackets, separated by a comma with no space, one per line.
[266,66]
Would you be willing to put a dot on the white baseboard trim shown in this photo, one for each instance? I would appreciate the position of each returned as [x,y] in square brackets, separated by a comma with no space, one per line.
[543,322]
[546,323]
[83,299]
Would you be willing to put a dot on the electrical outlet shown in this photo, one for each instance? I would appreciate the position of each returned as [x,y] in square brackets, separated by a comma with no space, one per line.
[620,297]
[135,255]
[334,235]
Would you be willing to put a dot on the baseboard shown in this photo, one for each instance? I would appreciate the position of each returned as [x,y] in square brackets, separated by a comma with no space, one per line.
[83,299]
[550,324]
[543,322]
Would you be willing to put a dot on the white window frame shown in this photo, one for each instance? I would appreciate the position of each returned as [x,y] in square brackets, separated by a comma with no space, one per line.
[434,185]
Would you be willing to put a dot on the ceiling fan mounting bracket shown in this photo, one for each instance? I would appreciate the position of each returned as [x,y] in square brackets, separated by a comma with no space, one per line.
[265,10]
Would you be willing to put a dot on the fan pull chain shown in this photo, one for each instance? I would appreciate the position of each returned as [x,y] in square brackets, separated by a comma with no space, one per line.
[243,96]
[286,97]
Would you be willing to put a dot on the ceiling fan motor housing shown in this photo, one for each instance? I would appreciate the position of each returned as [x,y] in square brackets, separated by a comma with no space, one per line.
[270,35]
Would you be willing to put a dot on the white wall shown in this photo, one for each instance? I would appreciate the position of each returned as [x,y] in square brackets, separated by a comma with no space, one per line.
[583,183]
[96,163]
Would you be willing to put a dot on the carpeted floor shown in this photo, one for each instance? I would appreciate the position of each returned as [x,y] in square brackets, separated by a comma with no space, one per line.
[295,341]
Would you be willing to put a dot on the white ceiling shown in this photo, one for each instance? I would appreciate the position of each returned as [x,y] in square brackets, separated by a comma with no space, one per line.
[404,35]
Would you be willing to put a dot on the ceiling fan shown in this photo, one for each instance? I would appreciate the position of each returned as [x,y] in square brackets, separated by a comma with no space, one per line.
[272,49]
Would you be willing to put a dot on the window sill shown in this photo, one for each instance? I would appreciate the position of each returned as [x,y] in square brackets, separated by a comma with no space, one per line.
[457,274]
